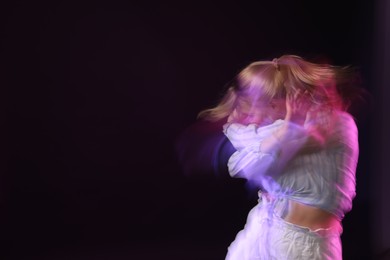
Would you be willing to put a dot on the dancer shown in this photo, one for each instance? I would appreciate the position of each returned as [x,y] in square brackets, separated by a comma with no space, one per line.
[295,141]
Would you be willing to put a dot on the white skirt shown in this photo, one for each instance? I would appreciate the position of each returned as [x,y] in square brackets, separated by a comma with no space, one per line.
[266,236]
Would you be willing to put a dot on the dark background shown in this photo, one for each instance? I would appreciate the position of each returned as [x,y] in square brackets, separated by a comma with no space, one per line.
[103,156]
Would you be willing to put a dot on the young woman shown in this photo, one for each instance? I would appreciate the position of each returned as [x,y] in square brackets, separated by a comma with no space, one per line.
[295,141]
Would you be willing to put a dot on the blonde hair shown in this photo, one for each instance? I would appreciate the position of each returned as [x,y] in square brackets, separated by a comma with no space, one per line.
[262,81]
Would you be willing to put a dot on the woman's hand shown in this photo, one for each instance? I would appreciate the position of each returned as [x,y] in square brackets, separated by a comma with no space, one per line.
[297,107]
[300,110]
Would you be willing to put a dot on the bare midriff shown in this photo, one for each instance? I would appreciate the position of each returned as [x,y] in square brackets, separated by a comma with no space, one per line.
[310,217]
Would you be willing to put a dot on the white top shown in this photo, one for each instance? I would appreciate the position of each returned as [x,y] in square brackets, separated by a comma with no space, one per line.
[322,177]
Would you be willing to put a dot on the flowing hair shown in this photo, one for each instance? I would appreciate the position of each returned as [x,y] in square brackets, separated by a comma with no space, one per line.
[262,81]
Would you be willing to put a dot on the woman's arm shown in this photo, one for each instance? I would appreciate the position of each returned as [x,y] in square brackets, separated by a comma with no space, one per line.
[264,160]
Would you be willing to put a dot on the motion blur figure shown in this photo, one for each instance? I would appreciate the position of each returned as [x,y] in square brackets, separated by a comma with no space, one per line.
[296,142]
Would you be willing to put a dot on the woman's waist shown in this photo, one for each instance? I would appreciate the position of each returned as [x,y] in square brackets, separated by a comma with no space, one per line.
[302,215]
[311,217]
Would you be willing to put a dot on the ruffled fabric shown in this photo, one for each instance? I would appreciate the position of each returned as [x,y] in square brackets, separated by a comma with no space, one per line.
[257,161]
[323,178]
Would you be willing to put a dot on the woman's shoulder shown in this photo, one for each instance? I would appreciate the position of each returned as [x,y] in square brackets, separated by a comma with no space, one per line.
[343,119]
[334,119]
[344,129]
[345,115]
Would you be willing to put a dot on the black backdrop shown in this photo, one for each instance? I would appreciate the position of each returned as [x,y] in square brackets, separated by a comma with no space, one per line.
[103,156]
